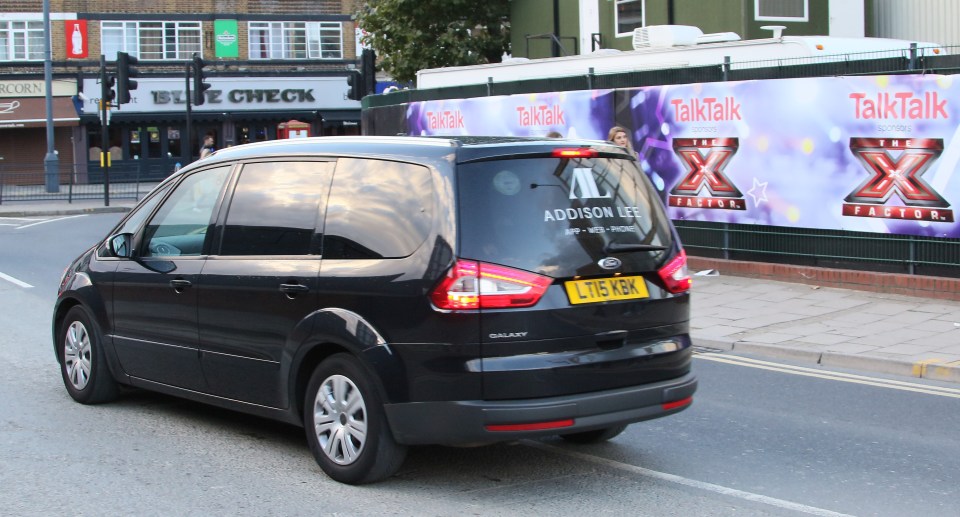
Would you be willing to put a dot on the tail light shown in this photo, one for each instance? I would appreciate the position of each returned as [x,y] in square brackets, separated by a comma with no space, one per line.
[475,285]
[675,274]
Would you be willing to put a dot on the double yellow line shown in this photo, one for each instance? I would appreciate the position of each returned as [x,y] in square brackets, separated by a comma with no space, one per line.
[835,376]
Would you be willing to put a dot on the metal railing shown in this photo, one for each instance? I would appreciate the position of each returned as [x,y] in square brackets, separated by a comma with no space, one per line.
[76,183]
[823,248]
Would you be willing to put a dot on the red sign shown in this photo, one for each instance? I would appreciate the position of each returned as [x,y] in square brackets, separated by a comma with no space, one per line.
[76,32]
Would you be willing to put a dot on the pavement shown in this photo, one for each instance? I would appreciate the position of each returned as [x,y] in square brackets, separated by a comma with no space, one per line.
[803,323]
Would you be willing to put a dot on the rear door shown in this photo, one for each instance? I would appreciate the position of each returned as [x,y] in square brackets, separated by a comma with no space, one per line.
[595,225]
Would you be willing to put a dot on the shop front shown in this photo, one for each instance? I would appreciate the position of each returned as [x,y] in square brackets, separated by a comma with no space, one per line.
[23,122]
[148,138]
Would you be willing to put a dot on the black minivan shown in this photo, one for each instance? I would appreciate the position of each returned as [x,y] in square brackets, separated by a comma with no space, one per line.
[392,291]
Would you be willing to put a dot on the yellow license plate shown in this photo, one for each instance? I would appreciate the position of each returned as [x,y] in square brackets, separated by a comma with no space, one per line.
[606,289]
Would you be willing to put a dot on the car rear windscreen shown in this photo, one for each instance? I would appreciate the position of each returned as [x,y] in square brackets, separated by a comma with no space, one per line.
[560,216]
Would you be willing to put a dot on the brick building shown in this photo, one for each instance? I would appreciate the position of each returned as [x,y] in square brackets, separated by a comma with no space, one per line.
[269,62]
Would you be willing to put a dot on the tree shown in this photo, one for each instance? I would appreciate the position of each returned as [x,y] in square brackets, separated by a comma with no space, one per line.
[410,35]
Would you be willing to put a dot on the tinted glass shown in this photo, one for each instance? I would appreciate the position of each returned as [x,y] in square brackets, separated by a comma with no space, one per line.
[180,226]
[135,219]
[557,216]
[377,209]
[275,209]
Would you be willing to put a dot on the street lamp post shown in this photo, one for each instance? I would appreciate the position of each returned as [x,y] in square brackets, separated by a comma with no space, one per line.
[51,163]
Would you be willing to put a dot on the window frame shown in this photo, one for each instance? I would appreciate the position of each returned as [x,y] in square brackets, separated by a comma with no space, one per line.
[172,41]
[297,40]
[31,33]
[616,16]
[759,18]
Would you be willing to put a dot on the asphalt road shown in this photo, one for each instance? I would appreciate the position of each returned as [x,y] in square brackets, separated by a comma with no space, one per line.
[761,439]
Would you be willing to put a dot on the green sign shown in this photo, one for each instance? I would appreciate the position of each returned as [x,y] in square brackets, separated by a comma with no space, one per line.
[225,34]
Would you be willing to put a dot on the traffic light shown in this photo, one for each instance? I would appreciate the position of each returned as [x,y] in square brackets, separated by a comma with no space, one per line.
[355,82]
[106,85]
[199,87]
[125,74]
[368,71]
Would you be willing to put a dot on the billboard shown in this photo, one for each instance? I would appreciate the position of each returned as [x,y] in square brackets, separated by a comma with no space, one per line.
[871,153]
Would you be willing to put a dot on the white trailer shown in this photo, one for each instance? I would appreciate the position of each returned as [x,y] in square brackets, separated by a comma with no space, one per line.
[676,46]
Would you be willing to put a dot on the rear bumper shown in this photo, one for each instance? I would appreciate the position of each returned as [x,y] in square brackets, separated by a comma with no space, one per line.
[464,422]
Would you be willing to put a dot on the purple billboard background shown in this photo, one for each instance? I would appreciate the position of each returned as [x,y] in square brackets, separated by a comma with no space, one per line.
[576,114]
[790,162]
[794,164]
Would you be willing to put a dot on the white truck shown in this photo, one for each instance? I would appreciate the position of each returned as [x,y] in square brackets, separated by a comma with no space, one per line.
[675,46]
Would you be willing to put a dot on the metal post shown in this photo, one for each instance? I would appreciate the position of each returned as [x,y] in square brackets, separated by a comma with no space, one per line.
[913,57]
[726,241]
[51,163]
[912,267]
[188,138]
[489,86]
[726,67]
[590,78]
[104,130]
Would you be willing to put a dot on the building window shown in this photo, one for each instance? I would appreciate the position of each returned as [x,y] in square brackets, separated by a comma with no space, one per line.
[295,40]
[629,15]
[781,10]
[174,41]
[21,41]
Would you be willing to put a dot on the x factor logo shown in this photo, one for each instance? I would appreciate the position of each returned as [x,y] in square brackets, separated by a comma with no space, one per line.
[900,175]
[705,184]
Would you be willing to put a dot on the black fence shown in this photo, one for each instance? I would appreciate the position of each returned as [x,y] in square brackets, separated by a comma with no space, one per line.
[907,61]
[75,183]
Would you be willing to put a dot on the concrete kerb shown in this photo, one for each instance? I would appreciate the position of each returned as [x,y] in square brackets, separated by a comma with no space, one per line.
[13,212]
[933,369]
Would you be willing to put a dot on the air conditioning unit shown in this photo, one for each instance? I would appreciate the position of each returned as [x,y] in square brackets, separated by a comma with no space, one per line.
[659,36]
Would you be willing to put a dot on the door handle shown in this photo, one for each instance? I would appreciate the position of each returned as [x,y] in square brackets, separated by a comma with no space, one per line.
[179,285]
[293,289]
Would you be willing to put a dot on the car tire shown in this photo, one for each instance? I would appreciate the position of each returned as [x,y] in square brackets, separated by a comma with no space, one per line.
[595,436]
[83,364]
[346,425]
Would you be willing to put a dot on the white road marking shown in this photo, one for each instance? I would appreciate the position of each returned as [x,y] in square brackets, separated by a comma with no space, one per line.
[14,281]
[680,480]
[835,376]
[51,221]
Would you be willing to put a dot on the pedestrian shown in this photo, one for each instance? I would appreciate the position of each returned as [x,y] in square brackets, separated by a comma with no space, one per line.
[620,136]
[208,147]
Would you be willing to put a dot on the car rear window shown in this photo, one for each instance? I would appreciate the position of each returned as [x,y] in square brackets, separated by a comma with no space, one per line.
[557,216]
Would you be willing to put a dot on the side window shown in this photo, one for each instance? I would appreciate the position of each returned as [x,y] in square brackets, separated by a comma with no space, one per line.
[132,224]
[377,209]
[275,209]
[180,226]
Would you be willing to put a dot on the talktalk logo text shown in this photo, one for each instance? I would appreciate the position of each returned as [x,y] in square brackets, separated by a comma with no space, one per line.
[540,115]
[896,167]
[705,160]
[451,119]
[707,109]
[900,105]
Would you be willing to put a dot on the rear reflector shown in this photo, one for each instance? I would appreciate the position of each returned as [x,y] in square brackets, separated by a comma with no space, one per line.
[534,426]
[476,285]
[675,275]
[667,406]
[583,152]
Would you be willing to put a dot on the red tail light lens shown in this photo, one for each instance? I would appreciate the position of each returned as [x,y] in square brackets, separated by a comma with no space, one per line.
[675,274]
[475,285]
[584,152]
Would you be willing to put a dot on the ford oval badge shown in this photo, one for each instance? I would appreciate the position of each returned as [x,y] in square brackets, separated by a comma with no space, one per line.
[609,263]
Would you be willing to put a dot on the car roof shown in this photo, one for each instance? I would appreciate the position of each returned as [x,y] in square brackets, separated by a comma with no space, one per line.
[466,148]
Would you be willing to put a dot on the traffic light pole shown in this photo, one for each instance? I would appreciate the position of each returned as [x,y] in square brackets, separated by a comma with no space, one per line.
[188,137]
[104,130]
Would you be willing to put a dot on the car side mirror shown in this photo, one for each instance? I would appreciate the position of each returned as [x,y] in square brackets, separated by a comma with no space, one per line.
[121,245]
